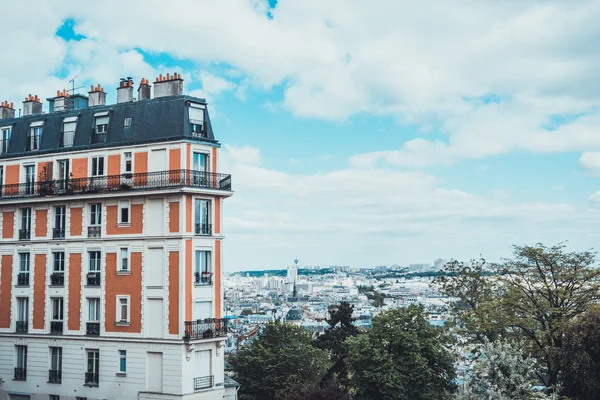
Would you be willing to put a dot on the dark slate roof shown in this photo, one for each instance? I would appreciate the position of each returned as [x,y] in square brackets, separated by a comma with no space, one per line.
[229,382]
[293,315]
[153,120]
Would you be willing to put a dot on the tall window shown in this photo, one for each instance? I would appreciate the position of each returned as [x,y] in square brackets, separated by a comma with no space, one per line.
[94,261]
[124,212]
[93,310]
[96,214]
[29,179]
[24,261]
[128,162]
[63,174]
[93,367]
[5,138]
[57,309]
[101,124]
[196,114]
[68,132]
[203,273]
[25,223]
[199,169]
[124,259]
[98,166]
[122,309]
[22,309]
[21,363]
[58,268]
[35,138]
[122,361]
[1,179]
[202,217]
[60,222]
[56,359]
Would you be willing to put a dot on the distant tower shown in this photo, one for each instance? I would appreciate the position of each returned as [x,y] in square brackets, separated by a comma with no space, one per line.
[292,273]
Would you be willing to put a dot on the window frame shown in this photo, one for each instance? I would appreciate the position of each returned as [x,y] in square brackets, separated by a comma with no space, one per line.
[98,261]
[22,309]
[95,300]
[35,136]
[118,319]
[125,160]
[56,359]
[58,309]
[124,251]
[120,212]
[127,122]
[21,359]
[122,370]
[5,133]
[97,166]
[26,218]
[97,213]
[58,258]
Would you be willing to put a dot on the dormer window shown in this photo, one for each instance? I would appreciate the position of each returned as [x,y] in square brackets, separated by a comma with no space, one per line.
[197,125]
[100,128]
[67,135]
[5,139]
[34,139]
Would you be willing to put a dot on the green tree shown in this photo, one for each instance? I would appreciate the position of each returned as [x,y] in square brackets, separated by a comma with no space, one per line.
[282,357]
[313,391]
[544,289]
[333,340]
[580,357]
[402,357]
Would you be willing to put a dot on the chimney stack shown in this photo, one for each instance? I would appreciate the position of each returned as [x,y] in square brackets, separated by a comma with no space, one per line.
[97,96]
[168,86]
[144,90]
[125,91]
[32,105]
[62,101]
[7,110]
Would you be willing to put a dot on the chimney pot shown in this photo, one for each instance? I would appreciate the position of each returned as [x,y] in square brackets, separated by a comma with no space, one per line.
[171,85]
[6,110]
[32,105]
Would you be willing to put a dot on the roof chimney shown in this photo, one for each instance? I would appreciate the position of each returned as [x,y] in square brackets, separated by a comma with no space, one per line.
[7,110]
[97,96]
[144,89]
[125,91]
[32,105]
[62,101]
[168,86]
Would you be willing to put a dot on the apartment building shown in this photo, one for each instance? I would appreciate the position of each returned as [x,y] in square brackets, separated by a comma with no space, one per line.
[111,246]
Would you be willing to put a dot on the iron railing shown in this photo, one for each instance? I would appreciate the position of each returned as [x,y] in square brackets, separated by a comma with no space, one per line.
[92,328]
[57,279]
[20,374]
[198,128]
[22,326]
[66,139]
[204,229]
[24,234]
[203,382]
[23,279]
[56,327]
[93,278]
[98,137]
[92,378]
[4,145]
[58,233]
[33,141]
[94,231]
[205,328]
[203,278]
[115,183]
[54,376]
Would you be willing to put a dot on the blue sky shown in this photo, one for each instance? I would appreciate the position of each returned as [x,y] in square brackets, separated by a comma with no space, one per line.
[363,134]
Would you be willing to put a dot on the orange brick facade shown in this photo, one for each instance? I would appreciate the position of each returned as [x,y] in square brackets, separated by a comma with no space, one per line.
[8,224]
[174,217]
[135,227]
[174,292]
[41,223]
[5,290]
[123,285]
[39,292]
[74,288]
[76,221]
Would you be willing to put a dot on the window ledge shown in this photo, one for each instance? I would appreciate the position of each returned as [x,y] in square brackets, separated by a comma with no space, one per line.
[123,272]
[124,225]
[122,323]
[202,284]
[121,374]
[21,286]
[90,384]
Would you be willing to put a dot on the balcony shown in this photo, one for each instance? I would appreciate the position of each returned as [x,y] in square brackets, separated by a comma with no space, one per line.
[160,180]
[20,374]
[94,231]
[92,328]
[91,379]
[58,233]
[23,279]
[204,329]
[66,139]
[203,278]
[24,234]
[93,278]
[22,326]
[54,376]
[198,128]
[56,327]
[204,229]
[57,279]
[203,382]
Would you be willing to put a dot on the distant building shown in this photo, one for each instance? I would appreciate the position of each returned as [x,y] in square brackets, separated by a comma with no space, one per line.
[439,264]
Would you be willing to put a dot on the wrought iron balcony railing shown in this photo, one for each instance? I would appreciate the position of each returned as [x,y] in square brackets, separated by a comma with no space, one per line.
[23,279]
[205,328]
[22,326]
[204,229]
[54,376]
[24,234]
[58,233]
[4,145]
[92,328]
[56,327]
[114,183]
[57,279]
[66,139]
[93,278]
[203,278]
[20,374]
[198,128]
[92,378]
[94,231]
[204,382]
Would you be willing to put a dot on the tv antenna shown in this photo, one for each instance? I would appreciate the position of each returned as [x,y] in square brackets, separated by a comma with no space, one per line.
[72,82]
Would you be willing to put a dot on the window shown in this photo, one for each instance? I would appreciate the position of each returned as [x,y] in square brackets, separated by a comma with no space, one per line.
[202,217]
[57,309]
[122,308]
[53,397]
[123,212]
[1,178]
[100,128]
[124,259]
[58,269]
[5,139]
[21,363]
[22,309]
[62,176]
[55,364]
[25,231]
[96,214]
[80,398]
[98,166]
[68,132]
[203,273]
[29,179]
[200,169]
[60,222]
[24,261]
[93,368]
[122,361]
[93,309]
[128,162]
[93,276]
[196,113]
[35,138]
[127,123]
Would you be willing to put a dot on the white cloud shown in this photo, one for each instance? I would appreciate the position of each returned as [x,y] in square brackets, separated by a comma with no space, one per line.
[214,85]
[590,161]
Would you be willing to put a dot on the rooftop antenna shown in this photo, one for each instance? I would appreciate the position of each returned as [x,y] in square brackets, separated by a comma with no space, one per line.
[72,82]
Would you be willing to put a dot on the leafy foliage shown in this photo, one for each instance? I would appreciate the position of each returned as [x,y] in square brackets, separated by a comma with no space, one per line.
[316,392]
[402,357]
[282,357]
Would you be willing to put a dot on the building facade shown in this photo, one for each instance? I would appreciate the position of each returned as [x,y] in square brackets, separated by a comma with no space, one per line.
[111,247]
